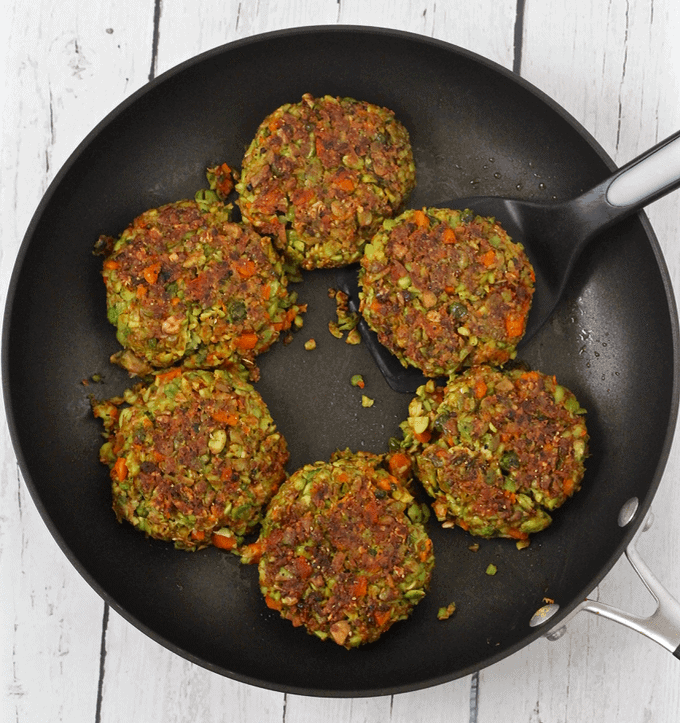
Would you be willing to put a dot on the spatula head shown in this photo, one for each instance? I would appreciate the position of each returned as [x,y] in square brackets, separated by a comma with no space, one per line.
[518,218]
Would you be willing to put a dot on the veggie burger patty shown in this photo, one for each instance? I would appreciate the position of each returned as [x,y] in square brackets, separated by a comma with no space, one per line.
[193,456]
[320,176]
[344,551]
[497,449]
[445,289]
[185,283]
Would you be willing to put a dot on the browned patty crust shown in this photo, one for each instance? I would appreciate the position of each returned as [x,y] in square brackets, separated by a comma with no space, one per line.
[445,289]
[497,449]
[344,551]
[194,457]
[321,175]
[186,284]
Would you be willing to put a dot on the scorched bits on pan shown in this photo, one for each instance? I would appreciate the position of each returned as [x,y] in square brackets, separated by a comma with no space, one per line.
[185,284]
[497,449]
[321,175]
[344,551]
[194,457]
[445,289]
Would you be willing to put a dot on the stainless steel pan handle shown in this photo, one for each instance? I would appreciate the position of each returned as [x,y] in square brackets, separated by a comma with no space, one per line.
[662,626]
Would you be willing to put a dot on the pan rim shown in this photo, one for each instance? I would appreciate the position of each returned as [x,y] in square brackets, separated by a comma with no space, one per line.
[83,147]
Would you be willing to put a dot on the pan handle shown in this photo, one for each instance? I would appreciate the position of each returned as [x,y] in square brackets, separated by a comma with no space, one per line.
[662,626]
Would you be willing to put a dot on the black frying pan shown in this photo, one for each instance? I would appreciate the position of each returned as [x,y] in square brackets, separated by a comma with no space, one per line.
[476,128]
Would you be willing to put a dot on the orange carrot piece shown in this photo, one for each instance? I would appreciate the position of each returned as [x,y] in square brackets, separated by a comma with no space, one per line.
[345,183]
[480,388]
[421,219]
[399,463]
[449,236]
[110,264]
[488,258]
[245,268]
[120,469]
[151,272]
[224,183]
[381,617]
[424,554]
[168,376]
[514,324]
[360,587]
[385,483]
[271,603]
[423,437]
[289,318]
[247,340]
[301,196]
[224,542]
[219,415]
[303,568]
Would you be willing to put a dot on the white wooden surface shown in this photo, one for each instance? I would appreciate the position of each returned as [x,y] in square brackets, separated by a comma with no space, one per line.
[64,655]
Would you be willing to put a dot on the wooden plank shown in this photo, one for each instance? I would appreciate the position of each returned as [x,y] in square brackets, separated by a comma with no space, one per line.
[51,618]
[143,677]
[452,702]
[65,72]
[485,27]
[447,703]
[615,67]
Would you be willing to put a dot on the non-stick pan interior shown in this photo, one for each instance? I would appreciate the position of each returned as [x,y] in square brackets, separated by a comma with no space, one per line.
[476,129]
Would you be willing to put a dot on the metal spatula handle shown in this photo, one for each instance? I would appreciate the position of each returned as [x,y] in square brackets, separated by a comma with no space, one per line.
[648,177]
